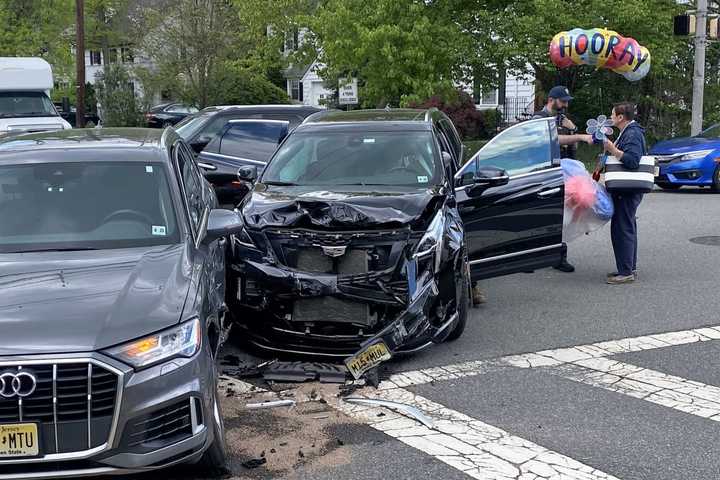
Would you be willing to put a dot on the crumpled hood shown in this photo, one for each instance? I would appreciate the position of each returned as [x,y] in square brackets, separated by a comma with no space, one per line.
[355,207]
[684,145]
[61,302]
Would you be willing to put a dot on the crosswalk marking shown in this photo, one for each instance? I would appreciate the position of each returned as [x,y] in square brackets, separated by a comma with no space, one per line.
[554,357]
[681,394]
[477,449]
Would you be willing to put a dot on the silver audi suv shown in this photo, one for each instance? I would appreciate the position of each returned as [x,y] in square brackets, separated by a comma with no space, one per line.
[112,278]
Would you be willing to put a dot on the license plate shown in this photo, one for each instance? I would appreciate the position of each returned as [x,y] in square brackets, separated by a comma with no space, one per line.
[19,440]
[367,358]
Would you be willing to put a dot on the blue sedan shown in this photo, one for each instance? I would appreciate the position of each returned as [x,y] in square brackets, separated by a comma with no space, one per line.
[692,161]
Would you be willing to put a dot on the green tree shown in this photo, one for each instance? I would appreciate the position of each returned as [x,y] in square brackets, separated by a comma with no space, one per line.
[118,105]
[39,29]
[400,50]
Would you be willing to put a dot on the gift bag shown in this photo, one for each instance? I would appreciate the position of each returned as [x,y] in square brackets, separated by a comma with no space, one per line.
[588,206]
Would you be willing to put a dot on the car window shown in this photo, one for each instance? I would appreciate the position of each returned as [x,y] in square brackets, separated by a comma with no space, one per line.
[453,138]
[524,148]
[178,109]
[192,186]
[85,205]
[357,158]
[253,140]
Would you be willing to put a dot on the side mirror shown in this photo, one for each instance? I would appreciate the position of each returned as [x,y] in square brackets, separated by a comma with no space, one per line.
[487,177]
[222,223]
[247,173]
[200,143]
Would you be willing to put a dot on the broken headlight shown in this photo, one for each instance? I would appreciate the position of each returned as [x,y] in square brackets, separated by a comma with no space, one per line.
[431,242]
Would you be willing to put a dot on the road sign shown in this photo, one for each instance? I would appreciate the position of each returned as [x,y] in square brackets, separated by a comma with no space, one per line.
[348,91]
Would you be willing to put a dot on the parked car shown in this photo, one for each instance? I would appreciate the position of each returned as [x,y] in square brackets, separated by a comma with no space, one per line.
[112,305]
[70,115]
[689,161]
[239,143]
[168,114]
[363,233]
[199,129]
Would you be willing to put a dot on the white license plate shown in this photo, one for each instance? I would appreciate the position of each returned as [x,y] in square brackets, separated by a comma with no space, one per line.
[367,358]
[19,440]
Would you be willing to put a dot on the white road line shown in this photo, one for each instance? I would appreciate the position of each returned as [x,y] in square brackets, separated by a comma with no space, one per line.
[670,391]
[477,449]
[551,358]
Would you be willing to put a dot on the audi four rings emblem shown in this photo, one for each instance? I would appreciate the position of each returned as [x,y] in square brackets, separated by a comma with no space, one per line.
[20,384]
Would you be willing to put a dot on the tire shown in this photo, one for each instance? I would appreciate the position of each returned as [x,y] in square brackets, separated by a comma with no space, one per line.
[463,296]
[214,462]
[716,181]
[669,186]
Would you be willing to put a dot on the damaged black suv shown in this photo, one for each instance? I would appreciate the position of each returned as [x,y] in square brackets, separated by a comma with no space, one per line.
[354,243]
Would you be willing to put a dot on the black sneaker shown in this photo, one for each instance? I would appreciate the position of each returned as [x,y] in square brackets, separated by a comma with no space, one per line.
[565,266]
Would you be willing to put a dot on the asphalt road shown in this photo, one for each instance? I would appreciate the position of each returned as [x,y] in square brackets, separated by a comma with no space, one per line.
[654,420]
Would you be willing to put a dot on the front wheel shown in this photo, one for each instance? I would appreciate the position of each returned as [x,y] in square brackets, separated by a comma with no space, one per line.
[716,180]
[463,301]
[214,462]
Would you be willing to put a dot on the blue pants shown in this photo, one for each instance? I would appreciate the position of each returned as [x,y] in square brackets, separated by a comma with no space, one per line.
[623,231]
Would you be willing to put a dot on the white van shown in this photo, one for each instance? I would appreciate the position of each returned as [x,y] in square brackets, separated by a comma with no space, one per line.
[25,104]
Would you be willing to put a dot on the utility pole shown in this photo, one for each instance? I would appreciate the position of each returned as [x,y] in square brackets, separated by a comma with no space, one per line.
[699,75]
[80,63]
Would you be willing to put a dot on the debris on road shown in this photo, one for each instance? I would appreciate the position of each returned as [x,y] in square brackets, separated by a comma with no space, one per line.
[273,404]
[304,371]
[407,410]
[254,463]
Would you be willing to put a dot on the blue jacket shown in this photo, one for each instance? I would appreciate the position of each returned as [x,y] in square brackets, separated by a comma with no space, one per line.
[632,144]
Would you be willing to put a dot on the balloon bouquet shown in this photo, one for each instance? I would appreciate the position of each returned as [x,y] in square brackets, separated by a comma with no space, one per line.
[588,206]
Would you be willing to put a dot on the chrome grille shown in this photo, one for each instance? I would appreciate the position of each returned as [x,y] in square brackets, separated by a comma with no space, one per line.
[73,404]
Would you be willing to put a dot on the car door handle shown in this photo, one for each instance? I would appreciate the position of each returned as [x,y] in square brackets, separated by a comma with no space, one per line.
[207,166]
[549,192]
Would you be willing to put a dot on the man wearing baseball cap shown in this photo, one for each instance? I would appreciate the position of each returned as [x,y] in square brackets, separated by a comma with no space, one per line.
[557,103]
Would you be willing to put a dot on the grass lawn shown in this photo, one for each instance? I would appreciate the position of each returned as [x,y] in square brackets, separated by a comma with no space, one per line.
[471,147]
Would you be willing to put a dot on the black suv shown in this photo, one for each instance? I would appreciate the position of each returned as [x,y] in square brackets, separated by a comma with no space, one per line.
[363,232]
[199,129]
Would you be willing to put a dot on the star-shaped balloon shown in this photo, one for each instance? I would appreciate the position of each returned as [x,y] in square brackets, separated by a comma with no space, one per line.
[600,128]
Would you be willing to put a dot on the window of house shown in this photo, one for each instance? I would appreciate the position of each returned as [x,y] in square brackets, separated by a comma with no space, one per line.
[489,98]
[95,57]
[296,90]
[126,54]
[112,56]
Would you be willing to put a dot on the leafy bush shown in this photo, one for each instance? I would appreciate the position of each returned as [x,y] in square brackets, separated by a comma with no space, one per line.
[118,105]
[460,107]
[236,85]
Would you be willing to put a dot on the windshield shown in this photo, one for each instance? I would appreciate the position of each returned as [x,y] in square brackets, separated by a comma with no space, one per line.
[26,104]
[189,126]
[711,132]
[356,158]
[88,205]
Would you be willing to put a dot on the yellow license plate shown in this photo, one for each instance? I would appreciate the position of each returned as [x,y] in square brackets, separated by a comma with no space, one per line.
[19,440]
[371,356]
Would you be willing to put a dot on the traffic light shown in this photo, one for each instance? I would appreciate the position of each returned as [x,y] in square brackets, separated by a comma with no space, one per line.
[684,25]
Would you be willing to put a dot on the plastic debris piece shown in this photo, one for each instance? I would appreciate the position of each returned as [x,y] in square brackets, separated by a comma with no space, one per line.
[305,371]
[272,404]
[407,410]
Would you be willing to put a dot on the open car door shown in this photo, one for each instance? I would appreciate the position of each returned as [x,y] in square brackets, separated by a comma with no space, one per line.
[239,143]
[510,195]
